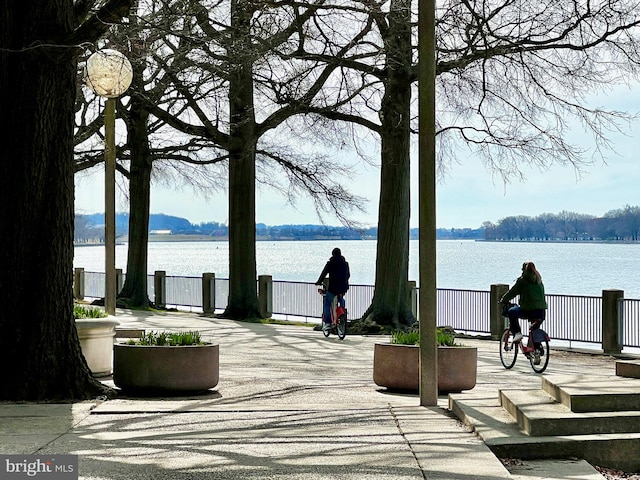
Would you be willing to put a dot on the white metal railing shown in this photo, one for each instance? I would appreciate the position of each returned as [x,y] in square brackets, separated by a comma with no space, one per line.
[464,310]
[575,318]
[630,322]
[572,318]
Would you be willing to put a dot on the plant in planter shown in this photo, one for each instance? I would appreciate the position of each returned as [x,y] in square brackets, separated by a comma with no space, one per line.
[95,332]
[166,362]
[168,338]
[396,364]
[84,311]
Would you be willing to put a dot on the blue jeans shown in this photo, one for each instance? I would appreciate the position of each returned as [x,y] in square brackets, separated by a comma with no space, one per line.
[515,313]
[328,300]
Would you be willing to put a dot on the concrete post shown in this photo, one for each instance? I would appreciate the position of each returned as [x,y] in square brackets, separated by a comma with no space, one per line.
[160,288]
[209,293]
[78,283]
[413,298]
[265,295]
[611,321]
[496,321]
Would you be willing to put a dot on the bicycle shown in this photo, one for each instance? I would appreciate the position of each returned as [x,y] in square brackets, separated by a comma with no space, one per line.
[338,316]
[538,357]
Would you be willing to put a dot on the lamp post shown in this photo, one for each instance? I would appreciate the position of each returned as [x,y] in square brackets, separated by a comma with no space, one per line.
[109,74]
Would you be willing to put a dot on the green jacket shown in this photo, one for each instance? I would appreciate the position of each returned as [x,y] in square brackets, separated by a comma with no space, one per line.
[531,293]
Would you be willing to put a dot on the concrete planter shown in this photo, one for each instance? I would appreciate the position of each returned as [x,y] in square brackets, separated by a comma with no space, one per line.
[149,369]
[396,367]
[96,341]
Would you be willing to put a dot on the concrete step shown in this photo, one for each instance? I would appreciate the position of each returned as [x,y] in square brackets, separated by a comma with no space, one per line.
[553,470]
[628,368]
[585,393]
[502,434]
[538,414]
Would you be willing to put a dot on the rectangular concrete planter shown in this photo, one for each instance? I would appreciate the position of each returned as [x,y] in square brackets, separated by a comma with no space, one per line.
[396,367]
[165,369]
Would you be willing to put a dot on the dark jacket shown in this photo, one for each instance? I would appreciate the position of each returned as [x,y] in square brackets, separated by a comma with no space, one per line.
[531,293]
[338,270]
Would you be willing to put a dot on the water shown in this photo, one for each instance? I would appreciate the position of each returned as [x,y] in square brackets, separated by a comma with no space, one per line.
[566,268]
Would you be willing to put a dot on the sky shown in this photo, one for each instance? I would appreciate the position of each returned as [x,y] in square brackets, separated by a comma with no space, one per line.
[466,198]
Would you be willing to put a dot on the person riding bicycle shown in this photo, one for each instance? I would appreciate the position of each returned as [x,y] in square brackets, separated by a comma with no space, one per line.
[338,270]
[533,304]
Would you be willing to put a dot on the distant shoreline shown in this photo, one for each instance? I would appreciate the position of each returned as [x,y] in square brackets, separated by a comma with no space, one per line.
[609,242]
[207,238]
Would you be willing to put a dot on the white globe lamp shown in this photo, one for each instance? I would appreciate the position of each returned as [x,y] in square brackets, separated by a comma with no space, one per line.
[108,73]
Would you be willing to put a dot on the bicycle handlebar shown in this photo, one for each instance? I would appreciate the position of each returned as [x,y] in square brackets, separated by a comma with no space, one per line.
[322,291]
[505,307]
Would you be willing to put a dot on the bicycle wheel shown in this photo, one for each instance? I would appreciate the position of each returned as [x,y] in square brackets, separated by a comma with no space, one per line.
[544,358]
[341,327]
[508,350]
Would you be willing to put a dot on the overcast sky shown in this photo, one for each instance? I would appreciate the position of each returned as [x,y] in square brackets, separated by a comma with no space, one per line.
[466,198]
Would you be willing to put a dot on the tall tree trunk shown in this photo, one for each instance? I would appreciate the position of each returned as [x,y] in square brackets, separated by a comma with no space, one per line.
[40,356]
[243,294]
[134,291]
[390,304]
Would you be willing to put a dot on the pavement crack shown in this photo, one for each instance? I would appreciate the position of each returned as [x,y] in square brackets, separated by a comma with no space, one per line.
[406,440]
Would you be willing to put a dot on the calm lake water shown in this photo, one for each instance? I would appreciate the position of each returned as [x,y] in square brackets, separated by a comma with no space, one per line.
[566,268]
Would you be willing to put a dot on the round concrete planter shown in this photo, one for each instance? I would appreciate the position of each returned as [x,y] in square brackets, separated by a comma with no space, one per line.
[148,369]
[96,341]
[396,367]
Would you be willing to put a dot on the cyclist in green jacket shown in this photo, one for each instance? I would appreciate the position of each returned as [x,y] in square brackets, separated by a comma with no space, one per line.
[533,304]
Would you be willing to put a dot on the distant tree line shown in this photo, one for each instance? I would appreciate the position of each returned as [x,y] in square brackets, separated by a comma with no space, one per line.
[616,225]
[90,229]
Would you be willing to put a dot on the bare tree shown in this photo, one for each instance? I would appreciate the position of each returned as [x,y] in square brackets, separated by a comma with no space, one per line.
[134,291]
[376,69]
[150,23]
[620,224]
[510,76]
[152,150]
[247,53]
[631,219]
[84,231]
[197,60]
[39,46]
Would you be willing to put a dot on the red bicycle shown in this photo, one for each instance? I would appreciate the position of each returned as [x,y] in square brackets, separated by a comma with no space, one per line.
[338,316]
[538,355]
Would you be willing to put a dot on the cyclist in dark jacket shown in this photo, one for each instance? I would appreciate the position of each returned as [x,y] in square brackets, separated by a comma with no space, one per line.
[338,270]
[532,299]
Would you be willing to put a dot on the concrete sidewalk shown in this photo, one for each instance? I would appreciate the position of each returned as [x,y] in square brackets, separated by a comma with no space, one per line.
[290,404]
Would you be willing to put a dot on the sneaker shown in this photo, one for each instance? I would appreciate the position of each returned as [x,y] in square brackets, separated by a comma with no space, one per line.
[517,337]
[536,358]
[326,327]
